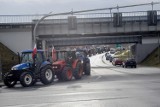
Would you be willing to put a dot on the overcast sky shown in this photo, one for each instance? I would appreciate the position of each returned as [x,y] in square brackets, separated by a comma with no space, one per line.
[18,7]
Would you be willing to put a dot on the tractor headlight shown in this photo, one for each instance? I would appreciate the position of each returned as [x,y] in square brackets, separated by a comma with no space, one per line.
[55,67]
[13,68]
[82,61]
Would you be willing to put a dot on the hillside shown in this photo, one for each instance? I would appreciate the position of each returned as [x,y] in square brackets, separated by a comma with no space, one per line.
[152,59]
[8,58]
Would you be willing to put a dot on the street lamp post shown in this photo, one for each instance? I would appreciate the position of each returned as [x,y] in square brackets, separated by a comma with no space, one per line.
[45,16]
[111,13]
[152,5]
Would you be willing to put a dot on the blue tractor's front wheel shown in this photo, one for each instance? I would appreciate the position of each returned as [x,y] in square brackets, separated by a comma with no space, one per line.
[26,79]
[8,81]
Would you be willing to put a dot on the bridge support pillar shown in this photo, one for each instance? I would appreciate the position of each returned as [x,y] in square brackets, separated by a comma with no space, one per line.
[43,45]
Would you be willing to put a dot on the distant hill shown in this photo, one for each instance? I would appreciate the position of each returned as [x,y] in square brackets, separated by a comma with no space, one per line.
[8,58]
[152,59]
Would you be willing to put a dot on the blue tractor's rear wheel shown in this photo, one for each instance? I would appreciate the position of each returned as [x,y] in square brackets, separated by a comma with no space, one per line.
[47,75]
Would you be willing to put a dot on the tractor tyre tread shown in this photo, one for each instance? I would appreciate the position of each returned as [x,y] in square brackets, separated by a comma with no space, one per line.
[43,76]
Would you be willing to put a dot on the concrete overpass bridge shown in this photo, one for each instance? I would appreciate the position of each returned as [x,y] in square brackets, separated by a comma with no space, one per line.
[85,29]
[101,26]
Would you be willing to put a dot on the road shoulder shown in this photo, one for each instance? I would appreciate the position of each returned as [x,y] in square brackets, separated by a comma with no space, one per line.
[1,83]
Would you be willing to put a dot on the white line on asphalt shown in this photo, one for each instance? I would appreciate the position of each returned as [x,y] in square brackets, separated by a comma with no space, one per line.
[98,77]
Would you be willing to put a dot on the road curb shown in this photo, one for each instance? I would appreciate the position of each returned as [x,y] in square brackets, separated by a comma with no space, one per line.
[1,83]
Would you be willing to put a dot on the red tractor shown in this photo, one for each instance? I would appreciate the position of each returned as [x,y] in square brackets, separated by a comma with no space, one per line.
[67,65]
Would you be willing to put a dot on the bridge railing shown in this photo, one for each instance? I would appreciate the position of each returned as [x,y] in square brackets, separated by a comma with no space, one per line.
[87,17]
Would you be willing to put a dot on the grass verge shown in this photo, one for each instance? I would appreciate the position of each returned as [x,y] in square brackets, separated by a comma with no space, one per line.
[152,59]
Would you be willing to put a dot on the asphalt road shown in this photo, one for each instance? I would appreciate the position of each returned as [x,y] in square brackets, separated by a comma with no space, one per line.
[108,86]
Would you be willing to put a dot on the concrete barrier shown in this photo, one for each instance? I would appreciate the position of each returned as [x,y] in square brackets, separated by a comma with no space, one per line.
[143,50]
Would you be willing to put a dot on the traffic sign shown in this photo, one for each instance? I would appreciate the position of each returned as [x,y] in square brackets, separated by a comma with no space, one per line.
[118,45]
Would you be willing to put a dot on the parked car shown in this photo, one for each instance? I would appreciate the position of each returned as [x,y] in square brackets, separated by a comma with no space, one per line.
[117,61]
[129,63]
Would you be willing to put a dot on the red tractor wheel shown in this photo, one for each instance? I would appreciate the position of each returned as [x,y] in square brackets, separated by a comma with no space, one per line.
[67,74]
[78,71]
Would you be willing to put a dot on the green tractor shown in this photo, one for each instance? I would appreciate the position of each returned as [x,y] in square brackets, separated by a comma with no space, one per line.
[30,70]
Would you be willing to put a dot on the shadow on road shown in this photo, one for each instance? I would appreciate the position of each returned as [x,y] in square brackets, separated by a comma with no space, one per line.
[39,85]
[98,67]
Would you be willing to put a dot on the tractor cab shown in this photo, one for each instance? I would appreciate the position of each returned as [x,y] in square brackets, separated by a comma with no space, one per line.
[81,54]
[27,56]
[64,57]
[27,62]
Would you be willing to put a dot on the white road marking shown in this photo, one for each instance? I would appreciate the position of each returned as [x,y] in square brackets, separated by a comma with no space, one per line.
[98,77]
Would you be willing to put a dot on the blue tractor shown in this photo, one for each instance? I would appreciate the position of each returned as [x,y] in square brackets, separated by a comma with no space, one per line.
[30,70]
[82,55]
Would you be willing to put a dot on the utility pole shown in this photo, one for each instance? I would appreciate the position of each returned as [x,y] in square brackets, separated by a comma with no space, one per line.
[152,5]
[111,13]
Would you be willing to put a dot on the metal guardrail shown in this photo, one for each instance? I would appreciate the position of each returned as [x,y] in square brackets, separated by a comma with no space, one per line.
[21,19]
